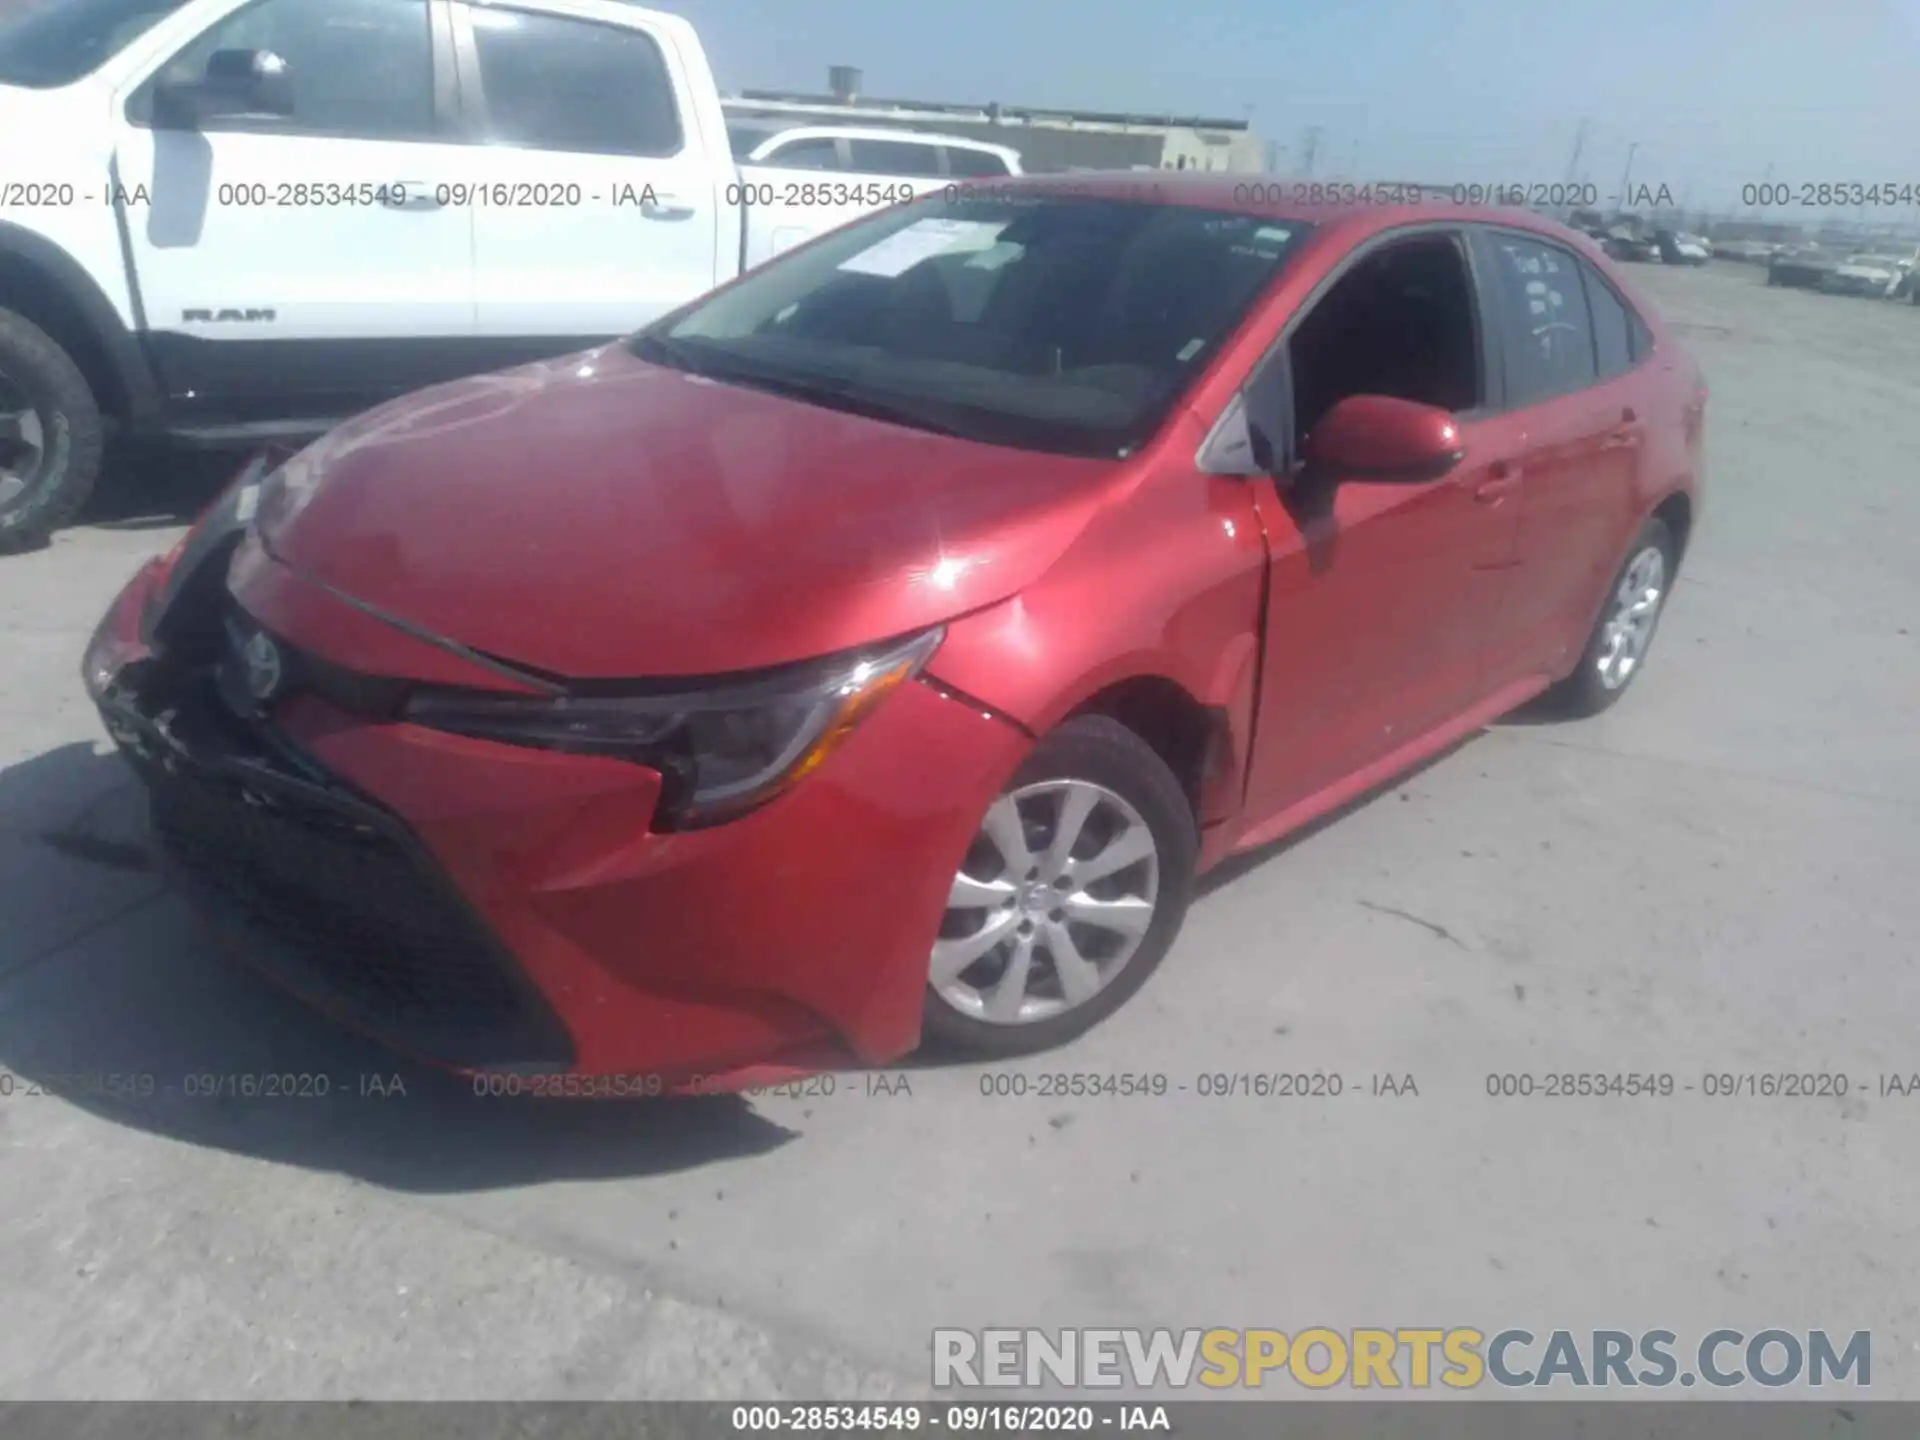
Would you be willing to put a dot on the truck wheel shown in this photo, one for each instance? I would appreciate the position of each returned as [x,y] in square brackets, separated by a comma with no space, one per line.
[51,435]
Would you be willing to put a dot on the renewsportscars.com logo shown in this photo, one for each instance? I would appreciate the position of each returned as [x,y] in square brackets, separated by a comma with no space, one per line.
[1460,1359]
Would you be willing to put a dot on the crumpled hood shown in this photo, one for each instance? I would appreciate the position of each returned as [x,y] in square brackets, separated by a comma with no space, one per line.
[600,517]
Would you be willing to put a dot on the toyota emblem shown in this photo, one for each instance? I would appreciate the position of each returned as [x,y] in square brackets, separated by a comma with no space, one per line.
[264,668]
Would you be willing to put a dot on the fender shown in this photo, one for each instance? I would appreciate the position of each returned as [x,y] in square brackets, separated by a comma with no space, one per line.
[121,347]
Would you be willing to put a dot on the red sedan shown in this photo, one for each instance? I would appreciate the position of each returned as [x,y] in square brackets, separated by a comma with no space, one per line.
[878,647]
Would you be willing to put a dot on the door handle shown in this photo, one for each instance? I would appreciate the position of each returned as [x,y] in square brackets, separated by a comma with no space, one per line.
[1502,479]
[412,195]
[665,207]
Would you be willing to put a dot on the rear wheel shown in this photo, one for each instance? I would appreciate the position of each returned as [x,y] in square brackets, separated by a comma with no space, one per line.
[1616,651]
[1070,895]
[51,435]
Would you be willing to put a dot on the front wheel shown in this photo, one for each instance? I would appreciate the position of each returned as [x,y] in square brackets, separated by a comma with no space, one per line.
[1616,650]
[52,437]
[1070,895]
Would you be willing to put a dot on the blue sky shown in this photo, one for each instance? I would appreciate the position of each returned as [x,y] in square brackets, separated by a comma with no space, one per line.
[1714,91]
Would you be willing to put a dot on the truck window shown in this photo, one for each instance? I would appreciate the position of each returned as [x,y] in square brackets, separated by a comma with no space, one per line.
[974,164]
[48,43]
[574,85]
[361,69]
[894,157]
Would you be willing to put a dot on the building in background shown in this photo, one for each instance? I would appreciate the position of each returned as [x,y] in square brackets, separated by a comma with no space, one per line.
[1048,140]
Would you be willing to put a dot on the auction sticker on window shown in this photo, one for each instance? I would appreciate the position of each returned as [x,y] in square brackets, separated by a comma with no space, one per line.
[922,240]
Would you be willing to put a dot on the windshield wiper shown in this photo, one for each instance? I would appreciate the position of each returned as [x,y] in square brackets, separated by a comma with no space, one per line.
[832,391]
[663,348]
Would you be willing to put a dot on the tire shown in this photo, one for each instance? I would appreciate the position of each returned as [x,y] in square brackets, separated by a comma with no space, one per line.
[1096,761]
[55,455]
[1595,686]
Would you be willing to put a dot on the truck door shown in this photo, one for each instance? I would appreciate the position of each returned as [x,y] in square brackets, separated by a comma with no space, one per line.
[301,264]
[599,196]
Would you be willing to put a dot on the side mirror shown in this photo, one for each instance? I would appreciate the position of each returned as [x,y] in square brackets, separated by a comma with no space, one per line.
[252,84]
[1378,437]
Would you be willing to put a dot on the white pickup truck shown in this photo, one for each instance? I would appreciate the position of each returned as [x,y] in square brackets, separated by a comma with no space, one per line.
[229,221]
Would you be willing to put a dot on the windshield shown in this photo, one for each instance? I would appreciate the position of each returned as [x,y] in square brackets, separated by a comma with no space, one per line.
[1070,324]
[50,43]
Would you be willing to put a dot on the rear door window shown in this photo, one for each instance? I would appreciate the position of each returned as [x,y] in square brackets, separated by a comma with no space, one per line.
[1546,334]
[555,83]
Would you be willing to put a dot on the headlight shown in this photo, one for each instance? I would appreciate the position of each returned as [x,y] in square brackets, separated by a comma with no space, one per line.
[722,750]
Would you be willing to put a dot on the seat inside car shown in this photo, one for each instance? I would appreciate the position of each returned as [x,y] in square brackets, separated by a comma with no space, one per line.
[1400,323]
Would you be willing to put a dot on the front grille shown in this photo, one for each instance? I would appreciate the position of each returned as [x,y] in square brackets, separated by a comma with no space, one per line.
[340,899]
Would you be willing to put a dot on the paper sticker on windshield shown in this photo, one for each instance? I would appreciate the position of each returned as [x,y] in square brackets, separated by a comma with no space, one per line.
[922,240]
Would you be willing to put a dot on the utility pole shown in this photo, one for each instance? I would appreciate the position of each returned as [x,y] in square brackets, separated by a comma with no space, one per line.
[1310,146]
[1627,174]
[1579,144]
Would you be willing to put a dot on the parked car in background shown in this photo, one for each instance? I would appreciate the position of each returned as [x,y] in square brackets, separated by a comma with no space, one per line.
[880,647]
[781,166]
[245,221]
[868,150]
[1587,222]
[1633,246]
[1867,274]
[1746,252]
[1803,269]
[1689,249]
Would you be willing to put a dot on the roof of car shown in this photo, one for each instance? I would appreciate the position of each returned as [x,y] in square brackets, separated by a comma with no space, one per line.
[764,132]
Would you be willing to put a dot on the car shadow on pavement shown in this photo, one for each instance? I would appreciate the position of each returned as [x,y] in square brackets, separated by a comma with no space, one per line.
[115,997]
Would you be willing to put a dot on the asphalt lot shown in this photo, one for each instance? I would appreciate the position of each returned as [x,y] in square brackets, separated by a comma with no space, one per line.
[1719,876]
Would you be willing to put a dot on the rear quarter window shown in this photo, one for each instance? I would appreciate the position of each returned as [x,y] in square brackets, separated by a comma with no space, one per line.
[1613,322]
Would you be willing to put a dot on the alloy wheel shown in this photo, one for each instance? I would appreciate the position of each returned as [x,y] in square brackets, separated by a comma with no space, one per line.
[1052,902]
[23,443]
[1629,624]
